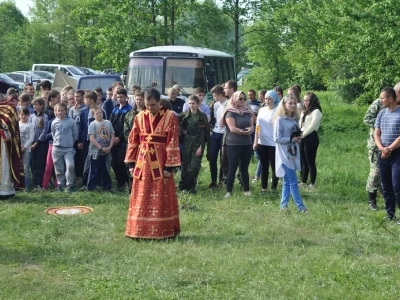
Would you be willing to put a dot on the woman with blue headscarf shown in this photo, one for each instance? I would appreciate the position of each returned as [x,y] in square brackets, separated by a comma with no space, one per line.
[264,140]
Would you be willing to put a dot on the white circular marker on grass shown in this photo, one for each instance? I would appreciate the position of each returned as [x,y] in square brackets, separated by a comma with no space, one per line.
[68,210]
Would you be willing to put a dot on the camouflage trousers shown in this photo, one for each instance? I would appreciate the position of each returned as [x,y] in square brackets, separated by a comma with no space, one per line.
[191,164]
[374,177]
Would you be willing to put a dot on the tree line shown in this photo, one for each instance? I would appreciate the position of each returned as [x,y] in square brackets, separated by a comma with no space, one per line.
[348,46]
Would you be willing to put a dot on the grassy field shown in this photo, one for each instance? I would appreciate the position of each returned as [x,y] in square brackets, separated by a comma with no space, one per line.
[237,248]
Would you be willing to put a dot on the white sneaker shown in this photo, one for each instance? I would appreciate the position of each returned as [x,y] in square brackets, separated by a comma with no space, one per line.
[255,179]
[37,189]
[312,186]
[302,185]
[248,193]
[227,195]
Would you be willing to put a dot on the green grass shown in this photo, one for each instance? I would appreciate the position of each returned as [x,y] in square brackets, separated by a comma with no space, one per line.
[237,248]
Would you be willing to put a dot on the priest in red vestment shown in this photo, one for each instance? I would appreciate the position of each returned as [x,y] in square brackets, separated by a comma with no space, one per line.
[11,167]
[152,155]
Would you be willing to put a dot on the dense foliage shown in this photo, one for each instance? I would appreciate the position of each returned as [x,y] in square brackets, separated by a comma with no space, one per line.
[347,46]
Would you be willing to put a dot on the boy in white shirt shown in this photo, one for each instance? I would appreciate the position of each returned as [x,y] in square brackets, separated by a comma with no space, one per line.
[217,137]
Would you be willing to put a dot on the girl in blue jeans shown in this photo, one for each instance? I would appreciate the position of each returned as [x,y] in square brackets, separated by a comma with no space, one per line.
[287,155]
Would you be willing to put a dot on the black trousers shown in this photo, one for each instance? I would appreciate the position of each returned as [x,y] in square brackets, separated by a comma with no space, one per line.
[216,149]
[38,162]
[118,156]
[238,155]
[308,153]
[85,151]
[267,159]
[78,161]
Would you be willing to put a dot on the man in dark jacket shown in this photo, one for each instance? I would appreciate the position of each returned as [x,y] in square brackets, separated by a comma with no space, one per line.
[176,103]
[119,149]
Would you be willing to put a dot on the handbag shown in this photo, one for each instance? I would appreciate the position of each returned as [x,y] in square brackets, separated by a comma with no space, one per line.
[296,131]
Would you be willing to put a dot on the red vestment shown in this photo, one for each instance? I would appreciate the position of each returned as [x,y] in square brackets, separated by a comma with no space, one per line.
[152,145]
[9,131]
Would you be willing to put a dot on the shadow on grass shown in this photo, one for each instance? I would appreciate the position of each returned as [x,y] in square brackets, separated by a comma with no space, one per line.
[76,198]
[22,254]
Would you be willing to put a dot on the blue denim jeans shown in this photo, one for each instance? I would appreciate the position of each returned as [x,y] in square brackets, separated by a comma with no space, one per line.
[290,187]
[26,160]
[98,170]
[258,170]
[390,176]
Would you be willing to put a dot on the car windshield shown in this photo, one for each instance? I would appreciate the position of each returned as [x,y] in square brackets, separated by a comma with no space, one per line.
[44,75]
[145,72]
[27,74]
[242,73]
[87,71]
[6,78]
[34,76]
[75,71]
[187,73]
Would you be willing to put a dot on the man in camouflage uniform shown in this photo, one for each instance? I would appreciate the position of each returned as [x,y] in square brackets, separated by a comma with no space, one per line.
[196,133]
[374,178]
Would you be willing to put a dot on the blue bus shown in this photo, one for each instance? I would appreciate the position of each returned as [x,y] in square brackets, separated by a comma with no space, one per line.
[189,67]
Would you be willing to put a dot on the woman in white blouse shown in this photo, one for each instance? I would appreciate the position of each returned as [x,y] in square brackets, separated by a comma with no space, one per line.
[264,140]
[310,119]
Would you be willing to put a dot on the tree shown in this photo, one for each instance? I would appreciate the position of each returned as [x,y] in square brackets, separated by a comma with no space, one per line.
[242,13]
[12,20]
[11,17]
[59,26]
[207,26]
[115,28]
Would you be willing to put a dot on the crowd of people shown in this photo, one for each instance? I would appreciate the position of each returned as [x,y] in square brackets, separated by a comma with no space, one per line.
[73,138]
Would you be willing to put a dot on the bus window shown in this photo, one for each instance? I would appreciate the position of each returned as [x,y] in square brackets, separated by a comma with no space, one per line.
[220,70]
[227,71]
[231,71]
[214,67]
[146,72]
[187,73]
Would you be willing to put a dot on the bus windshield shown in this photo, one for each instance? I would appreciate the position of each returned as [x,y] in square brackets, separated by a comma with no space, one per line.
[145,72]
[187,73]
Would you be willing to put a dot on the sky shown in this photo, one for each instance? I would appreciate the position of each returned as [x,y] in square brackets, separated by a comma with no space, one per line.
[23,5]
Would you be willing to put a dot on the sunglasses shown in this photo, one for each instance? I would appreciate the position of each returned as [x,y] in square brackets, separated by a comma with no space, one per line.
[242,99]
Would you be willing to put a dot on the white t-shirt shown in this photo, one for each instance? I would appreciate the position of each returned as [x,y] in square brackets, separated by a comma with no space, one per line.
[265,123]
[102,132]
[218,114]
[26,132]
